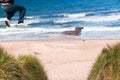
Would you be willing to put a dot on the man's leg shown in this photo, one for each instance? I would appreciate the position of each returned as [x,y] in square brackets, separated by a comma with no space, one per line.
[9,16]
[22,12]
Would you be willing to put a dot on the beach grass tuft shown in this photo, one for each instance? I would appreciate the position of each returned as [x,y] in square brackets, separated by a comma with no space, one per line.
[9,67]
[22,68]
[33,66]
[107,66]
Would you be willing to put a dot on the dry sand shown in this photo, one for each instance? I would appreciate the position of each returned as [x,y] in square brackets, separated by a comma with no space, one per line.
[63,59]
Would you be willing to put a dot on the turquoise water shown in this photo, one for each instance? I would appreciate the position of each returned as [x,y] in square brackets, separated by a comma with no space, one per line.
[100,19]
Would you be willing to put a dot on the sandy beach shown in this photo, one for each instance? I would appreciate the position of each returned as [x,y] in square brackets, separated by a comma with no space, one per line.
[63,59]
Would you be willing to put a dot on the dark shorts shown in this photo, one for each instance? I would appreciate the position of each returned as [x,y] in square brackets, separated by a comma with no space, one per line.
[11,9]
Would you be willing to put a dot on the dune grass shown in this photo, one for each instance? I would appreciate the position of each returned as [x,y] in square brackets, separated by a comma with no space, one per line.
[23,68]
[33,66]
[9,67]
[107,66]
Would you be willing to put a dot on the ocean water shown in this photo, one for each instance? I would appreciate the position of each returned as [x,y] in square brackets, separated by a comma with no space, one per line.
[100,19]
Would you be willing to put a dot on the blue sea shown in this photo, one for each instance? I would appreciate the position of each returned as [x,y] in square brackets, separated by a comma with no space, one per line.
[100,19]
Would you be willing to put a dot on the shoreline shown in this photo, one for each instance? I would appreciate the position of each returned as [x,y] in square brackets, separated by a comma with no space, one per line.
[65,38]
[63,58]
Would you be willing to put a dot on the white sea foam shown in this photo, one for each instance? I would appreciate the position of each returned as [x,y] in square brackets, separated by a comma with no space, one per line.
[82,17]
[69,18]
[29,17]
[2,19]
[75,15]
[36,19]
[46,30]
[102,28]
[34,33]
[101,18]
[63,20]
[107,18]
[31,30]
[32,20]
